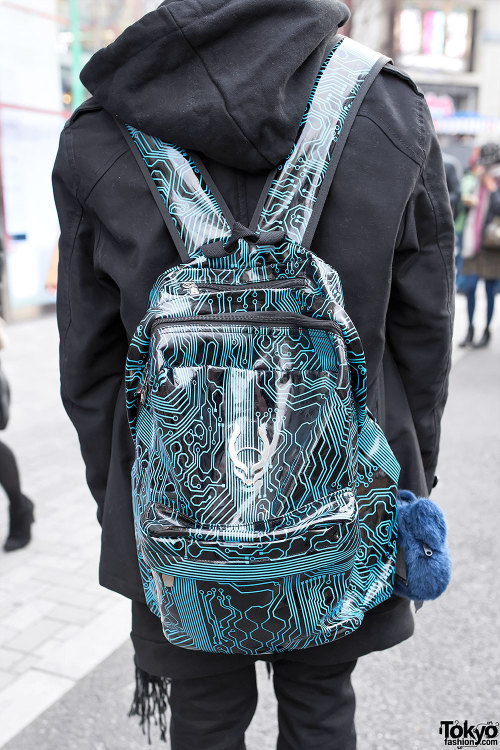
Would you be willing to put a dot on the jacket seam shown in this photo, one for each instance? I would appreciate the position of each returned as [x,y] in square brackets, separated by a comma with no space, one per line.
[421,128]
[104,172]
[393,69]
[403,231]
[222,96]
[70,157]
[70,151]
[78,223]
[68,299]
[88,106]
[442,390]
[97,248]
[72,162]
[395,140]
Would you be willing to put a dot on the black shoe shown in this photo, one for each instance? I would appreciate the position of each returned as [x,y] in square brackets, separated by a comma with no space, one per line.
[21,518]
[469,338]
[484,340]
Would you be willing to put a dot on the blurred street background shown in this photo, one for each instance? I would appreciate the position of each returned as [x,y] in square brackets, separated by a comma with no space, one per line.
[66,672]
[450,47]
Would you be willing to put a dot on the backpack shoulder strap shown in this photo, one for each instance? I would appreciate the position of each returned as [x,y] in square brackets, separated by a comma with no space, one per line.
[195,212]
[191,206]
[297,193]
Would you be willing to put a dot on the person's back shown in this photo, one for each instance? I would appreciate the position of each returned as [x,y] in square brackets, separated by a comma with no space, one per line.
[230,81]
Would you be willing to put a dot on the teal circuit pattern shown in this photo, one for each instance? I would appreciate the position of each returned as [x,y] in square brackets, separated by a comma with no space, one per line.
[263,490]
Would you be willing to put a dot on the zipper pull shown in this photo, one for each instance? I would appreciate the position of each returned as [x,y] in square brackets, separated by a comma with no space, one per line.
[193,289]
[142,391]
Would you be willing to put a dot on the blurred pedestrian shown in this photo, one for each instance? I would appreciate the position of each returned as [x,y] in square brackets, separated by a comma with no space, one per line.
[230,81]
[481,238]
[467,187]
[21,514]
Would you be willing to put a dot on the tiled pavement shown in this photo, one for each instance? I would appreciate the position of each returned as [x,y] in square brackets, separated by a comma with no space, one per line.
[56,624]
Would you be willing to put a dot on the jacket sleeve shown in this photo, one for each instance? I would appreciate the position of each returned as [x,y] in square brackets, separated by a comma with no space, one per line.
[93,342]
[420,314]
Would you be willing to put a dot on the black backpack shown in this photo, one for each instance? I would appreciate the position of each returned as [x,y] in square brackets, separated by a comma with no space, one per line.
[264,492]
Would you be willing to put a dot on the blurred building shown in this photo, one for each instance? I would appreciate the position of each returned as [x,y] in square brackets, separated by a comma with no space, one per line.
[43,46]
[451,48]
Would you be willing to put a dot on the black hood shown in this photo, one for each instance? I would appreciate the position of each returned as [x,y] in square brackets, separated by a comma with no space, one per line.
[227,78]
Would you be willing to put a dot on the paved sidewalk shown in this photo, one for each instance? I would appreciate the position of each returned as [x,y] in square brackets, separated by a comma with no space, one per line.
[61,636]
[56,623]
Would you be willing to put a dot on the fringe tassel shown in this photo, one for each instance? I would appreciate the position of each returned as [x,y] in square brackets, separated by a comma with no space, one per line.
[150,702]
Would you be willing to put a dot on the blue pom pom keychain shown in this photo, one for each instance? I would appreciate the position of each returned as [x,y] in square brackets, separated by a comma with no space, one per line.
[422,537]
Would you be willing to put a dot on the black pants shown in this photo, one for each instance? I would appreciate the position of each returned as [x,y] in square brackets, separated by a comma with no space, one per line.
[9,475]
[315,708]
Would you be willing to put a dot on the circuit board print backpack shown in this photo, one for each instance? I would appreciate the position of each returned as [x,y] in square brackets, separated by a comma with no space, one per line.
[264,492]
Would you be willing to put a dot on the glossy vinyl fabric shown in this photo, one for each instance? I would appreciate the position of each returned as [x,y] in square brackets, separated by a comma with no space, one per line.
[260,439]
[191,205]
[294,191]
[264,493]
[298,541]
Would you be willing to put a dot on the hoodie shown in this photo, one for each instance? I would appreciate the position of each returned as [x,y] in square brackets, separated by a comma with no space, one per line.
[227,78]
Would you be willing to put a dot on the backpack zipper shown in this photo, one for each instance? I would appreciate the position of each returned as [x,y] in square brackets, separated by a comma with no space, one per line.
[276,319]
[291,320]
[331,515]
[194,288]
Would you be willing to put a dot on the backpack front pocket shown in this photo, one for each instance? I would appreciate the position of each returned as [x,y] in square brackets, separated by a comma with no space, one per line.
[235,586]
[299,541]
[266,426]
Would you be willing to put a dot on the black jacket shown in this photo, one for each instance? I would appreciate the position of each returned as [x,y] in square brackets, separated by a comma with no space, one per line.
[230,79]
